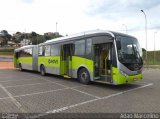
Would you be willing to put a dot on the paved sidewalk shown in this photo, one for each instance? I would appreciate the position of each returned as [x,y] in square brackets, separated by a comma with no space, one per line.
[6,65]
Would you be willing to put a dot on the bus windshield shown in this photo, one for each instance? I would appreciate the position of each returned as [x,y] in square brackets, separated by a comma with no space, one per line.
[129,50]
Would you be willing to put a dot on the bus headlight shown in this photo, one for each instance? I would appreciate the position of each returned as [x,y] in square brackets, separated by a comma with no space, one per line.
[123,73]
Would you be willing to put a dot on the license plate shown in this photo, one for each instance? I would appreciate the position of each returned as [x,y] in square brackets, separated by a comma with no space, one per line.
[135,79]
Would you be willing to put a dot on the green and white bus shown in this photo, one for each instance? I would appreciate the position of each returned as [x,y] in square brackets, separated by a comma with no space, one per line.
[100,56]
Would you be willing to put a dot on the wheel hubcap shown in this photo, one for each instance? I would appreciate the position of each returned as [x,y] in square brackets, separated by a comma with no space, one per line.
[84,76]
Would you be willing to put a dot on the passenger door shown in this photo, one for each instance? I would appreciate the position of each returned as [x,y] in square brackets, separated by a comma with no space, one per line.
[66,59]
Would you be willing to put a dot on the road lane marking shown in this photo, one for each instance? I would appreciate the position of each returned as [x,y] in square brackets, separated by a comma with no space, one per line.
[55,82]
[13,99]
[4,98]
[17,80]
[48,91]
[26,85]
[30,94]
[143,86]
[140,82]
[89,101]
[86,93]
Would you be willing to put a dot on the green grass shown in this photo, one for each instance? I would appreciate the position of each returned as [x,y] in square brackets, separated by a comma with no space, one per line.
[7,51]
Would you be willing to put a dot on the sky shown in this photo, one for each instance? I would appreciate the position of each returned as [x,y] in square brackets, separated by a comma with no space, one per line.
[74,16]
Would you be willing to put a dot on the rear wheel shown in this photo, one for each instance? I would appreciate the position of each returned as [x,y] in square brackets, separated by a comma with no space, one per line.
[42,70]
[83,76]
[20,67]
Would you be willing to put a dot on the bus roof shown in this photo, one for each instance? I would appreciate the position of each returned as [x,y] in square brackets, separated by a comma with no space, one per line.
[24,47]
[66,38]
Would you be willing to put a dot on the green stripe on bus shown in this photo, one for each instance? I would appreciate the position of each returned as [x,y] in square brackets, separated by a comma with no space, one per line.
[79,61]
[25,60]
[118,78]
[51,61]
[54,61]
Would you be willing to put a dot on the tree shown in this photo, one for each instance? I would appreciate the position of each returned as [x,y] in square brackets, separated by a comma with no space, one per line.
[4,32]
[37,38]
[34,33]
[18,37]
[4,37]
[33,37]
[50,35]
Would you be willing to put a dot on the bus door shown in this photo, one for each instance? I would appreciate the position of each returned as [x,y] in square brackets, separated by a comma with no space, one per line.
[102,65]
[66,59]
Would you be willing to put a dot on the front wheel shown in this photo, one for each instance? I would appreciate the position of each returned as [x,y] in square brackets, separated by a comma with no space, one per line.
[83,76]
[42,70]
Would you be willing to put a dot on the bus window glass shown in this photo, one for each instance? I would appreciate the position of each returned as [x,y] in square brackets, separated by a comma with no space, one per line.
[88,46]
[130,51]
[41,51]
[47,50]
[80,47]
[55,50]
[26,53]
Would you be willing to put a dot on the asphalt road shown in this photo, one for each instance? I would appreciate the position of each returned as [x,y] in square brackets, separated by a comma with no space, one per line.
[29,92]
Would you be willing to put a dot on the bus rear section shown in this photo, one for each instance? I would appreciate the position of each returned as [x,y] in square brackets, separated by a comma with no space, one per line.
[26,58]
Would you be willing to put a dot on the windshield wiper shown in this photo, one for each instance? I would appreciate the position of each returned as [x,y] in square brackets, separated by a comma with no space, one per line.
[136,51]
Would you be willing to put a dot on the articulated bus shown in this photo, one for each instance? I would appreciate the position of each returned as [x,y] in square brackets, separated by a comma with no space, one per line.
[99,56]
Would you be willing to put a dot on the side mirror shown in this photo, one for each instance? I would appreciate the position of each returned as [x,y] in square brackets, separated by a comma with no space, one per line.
[118,43]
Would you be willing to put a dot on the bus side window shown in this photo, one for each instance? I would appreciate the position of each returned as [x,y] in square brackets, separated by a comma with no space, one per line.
[41,51]
[55,50]
[88,47]
[80,48]
[47,50]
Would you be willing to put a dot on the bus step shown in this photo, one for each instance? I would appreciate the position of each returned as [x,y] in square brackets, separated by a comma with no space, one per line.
[66,76]
[102,81]
[104,78]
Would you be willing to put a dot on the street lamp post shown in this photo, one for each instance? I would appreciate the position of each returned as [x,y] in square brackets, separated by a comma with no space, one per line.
[154,48]
[125,28]
[145,30]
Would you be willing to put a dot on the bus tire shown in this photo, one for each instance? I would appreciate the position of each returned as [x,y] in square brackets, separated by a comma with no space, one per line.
[42,70]
[20,67]
[83,76]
